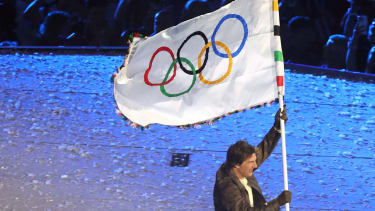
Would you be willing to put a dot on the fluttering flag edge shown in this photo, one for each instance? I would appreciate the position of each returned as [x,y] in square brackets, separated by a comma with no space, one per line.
[195,125]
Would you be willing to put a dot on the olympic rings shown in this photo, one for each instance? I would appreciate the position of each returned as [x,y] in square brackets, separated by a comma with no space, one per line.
[150,65]
[217,29]
[201,66]
[229,66]
[162,88]
[183,43]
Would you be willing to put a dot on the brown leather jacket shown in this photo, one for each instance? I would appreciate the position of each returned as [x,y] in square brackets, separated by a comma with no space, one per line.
[230,194]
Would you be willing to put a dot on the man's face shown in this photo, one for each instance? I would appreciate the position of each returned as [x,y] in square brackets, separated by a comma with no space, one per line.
[247,167]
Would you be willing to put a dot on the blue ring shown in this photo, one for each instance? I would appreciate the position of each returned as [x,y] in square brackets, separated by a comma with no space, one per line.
[243,40]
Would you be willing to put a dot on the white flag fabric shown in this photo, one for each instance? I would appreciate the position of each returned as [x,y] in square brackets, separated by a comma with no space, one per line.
[203,68]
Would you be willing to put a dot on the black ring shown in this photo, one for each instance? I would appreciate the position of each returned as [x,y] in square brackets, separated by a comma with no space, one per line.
[206,56]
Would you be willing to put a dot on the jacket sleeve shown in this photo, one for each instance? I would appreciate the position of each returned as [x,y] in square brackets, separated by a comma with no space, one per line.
[265,148]
[233,200]
[271,206]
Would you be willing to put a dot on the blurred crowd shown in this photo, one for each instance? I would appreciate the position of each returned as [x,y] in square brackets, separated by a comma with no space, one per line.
[335,33]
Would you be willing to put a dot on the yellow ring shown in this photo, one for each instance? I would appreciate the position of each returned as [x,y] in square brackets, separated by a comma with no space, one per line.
[229,66]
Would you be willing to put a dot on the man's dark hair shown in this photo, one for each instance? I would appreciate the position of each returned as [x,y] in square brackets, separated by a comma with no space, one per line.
[238,153]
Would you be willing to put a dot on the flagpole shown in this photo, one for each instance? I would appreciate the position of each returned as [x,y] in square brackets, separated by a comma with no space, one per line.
[281,87]
[283,147]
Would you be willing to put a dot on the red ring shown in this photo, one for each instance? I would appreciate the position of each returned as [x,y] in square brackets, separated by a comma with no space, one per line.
[163,48]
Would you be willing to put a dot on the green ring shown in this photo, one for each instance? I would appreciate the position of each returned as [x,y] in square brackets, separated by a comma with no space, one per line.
[162,88]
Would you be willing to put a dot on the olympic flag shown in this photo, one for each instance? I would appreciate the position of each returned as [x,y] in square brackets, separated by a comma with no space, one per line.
[204,68]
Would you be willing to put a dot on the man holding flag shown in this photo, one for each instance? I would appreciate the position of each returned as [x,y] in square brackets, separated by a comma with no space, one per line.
[236,188]
[204,69]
